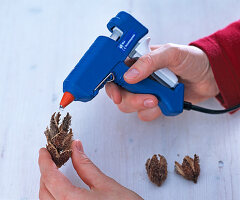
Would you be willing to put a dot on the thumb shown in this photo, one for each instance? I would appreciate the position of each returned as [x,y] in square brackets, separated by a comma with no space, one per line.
[86,170]
[165,56]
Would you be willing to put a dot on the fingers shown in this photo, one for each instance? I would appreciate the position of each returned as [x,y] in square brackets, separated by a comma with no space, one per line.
[113,91]
[44,194]
[87,171]
[165,56]
[135,102]
[149,114]
[145,104]
[56,183]
[129,102]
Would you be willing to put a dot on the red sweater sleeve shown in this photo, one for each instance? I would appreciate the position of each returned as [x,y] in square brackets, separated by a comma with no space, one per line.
[223,51]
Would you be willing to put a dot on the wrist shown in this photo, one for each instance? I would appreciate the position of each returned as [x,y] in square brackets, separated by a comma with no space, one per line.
[213,89]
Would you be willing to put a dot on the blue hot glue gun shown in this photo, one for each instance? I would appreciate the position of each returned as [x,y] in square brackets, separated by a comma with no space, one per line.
[104,62]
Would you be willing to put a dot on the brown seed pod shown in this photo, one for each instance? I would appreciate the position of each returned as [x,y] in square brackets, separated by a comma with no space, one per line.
[59,139]
[190,168]
[157,169]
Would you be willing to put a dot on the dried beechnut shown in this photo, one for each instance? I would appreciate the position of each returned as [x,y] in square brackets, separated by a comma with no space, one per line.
[59,139]
[190,168]
[157,169]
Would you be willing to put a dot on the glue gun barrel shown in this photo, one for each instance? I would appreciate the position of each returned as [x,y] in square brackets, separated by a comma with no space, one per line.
[66,99]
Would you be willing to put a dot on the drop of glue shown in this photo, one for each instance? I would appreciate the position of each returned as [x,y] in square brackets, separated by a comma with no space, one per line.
[61,108]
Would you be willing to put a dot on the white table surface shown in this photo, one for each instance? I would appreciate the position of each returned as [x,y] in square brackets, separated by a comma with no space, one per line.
[42,40]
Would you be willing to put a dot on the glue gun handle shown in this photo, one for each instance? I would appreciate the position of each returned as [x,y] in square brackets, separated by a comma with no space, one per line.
[170,100]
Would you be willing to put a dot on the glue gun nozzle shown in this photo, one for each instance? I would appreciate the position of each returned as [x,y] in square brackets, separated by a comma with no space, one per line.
[66,99]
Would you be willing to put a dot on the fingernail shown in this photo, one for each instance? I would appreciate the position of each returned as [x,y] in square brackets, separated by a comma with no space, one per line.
[79,146]
[131,73]
[149,103]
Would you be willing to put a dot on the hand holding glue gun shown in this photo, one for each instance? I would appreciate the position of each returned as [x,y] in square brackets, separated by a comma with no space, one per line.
[189,63]
[151,83]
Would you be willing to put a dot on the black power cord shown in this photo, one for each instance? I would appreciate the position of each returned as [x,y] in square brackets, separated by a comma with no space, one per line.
[190,106]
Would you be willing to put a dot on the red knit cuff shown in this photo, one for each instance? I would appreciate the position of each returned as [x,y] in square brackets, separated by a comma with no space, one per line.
[222,72]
